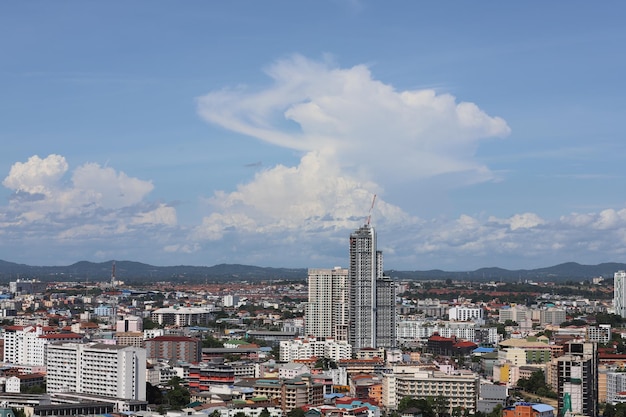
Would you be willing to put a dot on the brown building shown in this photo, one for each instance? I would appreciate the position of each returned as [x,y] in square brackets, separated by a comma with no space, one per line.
[180,348]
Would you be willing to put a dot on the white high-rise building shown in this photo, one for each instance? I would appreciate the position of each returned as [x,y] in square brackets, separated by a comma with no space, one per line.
[372,296]
[619,293]
[327,309]
[99,369]
[26,345]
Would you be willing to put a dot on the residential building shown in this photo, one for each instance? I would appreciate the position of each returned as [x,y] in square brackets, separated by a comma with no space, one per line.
[514,313]
[462,313]
[178,348]
[25,345]
[305,348]
[291,393]
[459,390]
[372,316]
[326,312]
[99,369]
[183,316]
[423,329]
[552,315]
[619,293]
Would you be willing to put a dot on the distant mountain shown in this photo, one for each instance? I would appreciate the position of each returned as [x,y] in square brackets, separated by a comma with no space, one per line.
[135,271]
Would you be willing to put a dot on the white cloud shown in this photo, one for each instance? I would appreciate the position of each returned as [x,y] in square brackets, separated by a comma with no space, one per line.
[357,135]
[367,127]
[96,202]
[36,176]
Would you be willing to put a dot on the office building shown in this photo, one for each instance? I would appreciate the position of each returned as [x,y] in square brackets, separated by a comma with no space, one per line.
[98,369]
[372,317]
[577,376]
[327,309]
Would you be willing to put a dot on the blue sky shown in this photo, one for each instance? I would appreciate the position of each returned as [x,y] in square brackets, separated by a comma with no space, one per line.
[258,133]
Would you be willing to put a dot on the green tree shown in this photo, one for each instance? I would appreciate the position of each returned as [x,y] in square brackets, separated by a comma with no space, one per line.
[296,412]
[265,413]
[609,410]
[496,412]
[177,395]
[153,394]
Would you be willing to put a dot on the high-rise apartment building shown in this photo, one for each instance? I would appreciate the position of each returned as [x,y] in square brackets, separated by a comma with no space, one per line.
[327,308]
[372,318]
[577,385]
[107,370]
[619,293]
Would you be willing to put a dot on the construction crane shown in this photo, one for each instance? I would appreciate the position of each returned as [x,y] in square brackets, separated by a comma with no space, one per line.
[369,213]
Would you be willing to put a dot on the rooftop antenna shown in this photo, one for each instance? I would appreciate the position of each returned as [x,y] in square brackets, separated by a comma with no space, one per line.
[369,213]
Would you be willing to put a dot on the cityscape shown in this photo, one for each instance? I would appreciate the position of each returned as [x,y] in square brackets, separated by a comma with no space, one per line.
[351,342]
[337,208]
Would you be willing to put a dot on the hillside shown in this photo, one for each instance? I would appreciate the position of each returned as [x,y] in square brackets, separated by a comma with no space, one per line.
[136,271]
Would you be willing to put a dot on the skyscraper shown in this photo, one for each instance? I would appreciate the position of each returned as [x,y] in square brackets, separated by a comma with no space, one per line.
[327,309]
[619,293]
[372,295]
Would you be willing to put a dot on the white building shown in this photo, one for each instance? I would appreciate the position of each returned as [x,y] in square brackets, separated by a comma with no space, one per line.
[514,313]
[552,315]
[460,313]
[307,348]
[619,293]
[600,333]
[25,345]
[460,390]
[182,316]
[292,370]
[107,370]
[129,324]
[326,313]
[615,383]
[423,329]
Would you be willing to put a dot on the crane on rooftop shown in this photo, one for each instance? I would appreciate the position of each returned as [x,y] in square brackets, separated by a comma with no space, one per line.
[369,214]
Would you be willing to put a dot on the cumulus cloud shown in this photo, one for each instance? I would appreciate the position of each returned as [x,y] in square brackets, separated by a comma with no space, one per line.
[368,127]
[357,135]
[94,202]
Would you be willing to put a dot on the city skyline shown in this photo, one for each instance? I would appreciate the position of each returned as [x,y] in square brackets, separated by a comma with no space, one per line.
[258,134]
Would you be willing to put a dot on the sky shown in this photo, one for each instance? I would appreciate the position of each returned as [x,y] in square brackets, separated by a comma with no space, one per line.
[471,134]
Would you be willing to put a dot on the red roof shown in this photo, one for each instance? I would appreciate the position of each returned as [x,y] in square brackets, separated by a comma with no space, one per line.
[437,338]
[465,344]
[173,339]
[61,336]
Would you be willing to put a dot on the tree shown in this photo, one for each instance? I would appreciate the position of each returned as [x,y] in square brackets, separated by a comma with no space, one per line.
[149,324]
[442,406]
[296,412]
[496,412]
[177,396]
[265,413]
[153,394]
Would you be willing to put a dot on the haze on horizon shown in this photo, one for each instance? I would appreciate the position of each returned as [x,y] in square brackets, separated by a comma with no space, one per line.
[491,134]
